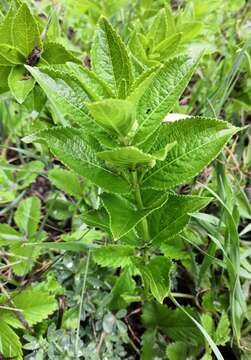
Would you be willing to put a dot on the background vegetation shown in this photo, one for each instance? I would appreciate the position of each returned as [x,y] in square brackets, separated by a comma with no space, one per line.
[61,298]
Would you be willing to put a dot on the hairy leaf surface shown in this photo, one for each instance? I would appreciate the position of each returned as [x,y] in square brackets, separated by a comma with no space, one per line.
[123,215]
[161,96]
[199,141]
[76,151]
[96,88]
[113,255]
[173,217]
[65,93]
[114,115]
[110,60]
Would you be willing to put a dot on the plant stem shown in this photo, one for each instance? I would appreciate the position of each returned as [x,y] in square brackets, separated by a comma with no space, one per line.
[140,205]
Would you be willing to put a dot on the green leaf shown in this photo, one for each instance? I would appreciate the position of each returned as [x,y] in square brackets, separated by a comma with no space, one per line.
[159,28]
[83,235]
[200,328]
[141,84]
[28,172]
[66,181]
[173,323]
[113,115]
[8,235]
[75,150]
[27,216]
[6,24]
[10,345]
[96,88]
[110,60]
[65,93]
[35,304]
[177,351]
[199,141]
[123,215]
[10,55]
[128,156]
[97,218]
[124,285]
[222,333]
[25,31]
[149,344]
[157,275]
[138,51]
[113,255]
[174,215]
[4,74]
[168,47]
[56,53]
[20,83]
[23,257]
[162,94]
[208,323]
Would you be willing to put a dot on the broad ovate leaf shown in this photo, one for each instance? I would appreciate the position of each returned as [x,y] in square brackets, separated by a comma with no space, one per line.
[199,141]
[110,60]
[23,257]
[174,323]
[77,151]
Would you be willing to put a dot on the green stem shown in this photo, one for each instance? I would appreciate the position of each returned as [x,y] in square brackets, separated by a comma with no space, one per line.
[144,224]
[140,205]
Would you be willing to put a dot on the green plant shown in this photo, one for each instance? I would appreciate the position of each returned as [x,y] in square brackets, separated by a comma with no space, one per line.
[22,42]
[114,135]
[20,243]
[20,311]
